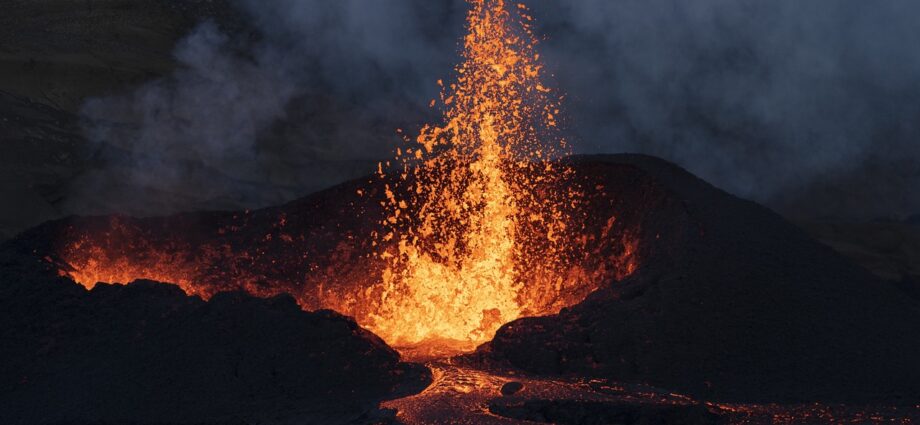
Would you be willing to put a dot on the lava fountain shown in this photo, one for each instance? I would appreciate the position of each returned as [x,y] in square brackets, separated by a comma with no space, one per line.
[477,243]
[474,224]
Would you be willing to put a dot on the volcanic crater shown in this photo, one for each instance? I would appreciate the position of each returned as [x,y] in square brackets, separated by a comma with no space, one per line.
[532,285]
[696,291]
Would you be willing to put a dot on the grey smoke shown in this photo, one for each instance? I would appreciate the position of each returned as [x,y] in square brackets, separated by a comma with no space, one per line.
[206,115]
[307,94]
[811,107]
[779,101]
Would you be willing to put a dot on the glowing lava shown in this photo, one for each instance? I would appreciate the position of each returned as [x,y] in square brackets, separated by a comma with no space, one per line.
[476,223]
[477,244]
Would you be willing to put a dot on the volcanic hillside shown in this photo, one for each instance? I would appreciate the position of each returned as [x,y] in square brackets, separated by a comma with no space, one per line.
[318,249]
[730,302]
[723,298]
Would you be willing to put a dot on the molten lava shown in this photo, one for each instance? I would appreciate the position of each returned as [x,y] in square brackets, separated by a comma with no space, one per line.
[477,244]
[475,224]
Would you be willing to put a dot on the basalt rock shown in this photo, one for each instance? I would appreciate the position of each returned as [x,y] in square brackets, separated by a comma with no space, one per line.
[148,353]
[730,302]
[578,412]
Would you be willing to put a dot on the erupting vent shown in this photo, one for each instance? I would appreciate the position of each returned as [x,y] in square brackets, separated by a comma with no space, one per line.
[472,226]
[478,244]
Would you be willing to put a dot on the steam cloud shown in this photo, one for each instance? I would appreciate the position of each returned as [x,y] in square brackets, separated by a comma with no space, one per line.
[811,107]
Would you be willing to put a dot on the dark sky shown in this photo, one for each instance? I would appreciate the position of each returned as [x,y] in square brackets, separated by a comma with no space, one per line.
[811,107]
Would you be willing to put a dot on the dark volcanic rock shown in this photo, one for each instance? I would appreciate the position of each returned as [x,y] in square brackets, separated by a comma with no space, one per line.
[576,412]
[914,219]
[147,353]
[511,388]
[730,302]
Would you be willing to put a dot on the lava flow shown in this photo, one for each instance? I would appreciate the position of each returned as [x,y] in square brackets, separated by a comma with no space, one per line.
[472,225]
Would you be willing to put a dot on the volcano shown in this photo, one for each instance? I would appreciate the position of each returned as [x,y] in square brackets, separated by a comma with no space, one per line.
[482,275]
[724,301]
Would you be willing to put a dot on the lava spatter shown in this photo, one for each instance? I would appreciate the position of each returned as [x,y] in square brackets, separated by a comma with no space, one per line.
[478,239]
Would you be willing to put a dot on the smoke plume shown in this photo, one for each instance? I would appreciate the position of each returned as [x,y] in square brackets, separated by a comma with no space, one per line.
[810,107]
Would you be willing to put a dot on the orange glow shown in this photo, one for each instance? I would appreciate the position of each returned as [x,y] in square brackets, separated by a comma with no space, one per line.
[477,226]
[482,244]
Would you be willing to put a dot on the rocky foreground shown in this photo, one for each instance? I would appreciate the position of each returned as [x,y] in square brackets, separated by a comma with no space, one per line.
[148,353]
